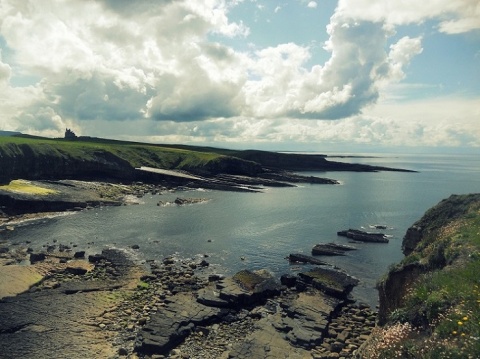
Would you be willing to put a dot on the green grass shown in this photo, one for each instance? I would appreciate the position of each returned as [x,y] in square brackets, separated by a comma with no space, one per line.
[21,186]
[136,154]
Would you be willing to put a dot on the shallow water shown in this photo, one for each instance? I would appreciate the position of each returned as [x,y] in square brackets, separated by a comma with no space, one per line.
[258,230]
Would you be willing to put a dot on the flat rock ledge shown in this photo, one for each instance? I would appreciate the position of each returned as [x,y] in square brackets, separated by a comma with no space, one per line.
[251,315]
[57,317]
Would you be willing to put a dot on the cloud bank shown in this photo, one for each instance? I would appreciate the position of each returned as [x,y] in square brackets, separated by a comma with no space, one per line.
[154,66]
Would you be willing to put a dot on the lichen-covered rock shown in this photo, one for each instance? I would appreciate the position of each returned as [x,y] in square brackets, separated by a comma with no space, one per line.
[332,281]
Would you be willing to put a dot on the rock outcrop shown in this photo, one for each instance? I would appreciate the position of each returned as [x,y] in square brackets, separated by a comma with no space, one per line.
[362,236]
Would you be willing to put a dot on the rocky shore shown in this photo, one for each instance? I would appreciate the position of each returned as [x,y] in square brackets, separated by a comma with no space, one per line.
[107,306]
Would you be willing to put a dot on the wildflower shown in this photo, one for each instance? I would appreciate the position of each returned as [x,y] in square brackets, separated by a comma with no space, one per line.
[460,322]
[454,332]
[465,319]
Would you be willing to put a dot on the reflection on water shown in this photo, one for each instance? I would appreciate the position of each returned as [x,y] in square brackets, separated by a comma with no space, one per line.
[265,228]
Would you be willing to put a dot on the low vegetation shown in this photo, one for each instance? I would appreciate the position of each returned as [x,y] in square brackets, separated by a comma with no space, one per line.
[22,186]
[440,313]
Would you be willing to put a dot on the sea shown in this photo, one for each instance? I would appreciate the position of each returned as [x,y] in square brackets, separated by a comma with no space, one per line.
[235,231]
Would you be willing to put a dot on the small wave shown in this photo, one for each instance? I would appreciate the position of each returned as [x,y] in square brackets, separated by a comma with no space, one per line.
[202,190]
[379,226]
[34,218]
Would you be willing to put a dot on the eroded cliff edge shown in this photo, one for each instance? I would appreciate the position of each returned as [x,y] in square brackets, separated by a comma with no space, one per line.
[430,302]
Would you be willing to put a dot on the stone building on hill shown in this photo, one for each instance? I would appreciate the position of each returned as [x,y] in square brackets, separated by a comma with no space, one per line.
[69,134]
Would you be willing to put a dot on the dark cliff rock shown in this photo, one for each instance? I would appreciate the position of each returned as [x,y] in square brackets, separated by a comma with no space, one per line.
[392,289]
[56,160]
[230,165]
[23,161]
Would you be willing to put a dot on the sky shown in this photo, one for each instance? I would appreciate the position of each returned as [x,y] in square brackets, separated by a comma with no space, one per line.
[320,75]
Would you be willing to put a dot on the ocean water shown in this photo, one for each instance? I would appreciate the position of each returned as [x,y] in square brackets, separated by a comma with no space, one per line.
[259,230]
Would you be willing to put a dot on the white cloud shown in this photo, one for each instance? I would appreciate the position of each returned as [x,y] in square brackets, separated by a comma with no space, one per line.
[463,15]
[444,121]
[401,53]
[128,52]
[154,66]
[5,72]
[312,5]
[433,122]
[153,59]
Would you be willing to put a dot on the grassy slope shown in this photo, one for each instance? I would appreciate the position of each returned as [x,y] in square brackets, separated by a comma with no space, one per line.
[136,154]
[440,313]
[42,158]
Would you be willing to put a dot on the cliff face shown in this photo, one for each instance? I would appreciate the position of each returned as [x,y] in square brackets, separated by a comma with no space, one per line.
[84,161]
[23,161]
[426,250]
[431,298]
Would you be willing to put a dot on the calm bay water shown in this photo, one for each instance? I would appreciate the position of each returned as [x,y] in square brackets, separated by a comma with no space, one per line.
[258,230]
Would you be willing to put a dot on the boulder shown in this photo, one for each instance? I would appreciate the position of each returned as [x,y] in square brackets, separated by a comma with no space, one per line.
[79,254]
[95,258]
[244,288]
[331,281]
[288,280]
[37,257]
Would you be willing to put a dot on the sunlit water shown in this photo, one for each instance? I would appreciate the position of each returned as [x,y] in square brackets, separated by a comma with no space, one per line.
[258,230]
